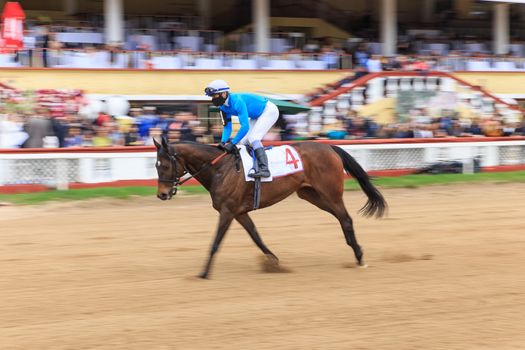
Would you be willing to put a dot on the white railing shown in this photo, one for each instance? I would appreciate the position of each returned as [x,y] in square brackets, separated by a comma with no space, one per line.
[181,59]
[206,56]
[58,168]
[408,155]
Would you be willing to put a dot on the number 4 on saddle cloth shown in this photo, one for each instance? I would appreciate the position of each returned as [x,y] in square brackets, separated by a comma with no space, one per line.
[282,161]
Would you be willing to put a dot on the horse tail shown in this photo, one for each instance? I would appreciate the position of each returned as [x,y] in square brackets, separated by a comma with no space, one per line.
[376,204]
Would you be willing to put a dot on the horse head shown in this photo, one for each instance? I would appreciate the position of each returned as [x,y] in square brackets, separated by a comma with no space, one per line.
[169,169]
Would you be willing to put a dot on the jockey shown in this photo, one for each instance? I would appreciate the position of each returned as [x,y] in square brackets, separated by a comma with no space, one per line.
[256,116]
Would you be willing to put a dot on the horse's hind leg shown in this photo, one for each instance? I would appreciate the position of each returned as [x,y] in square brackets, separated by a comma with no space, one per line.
[337,209]
[348,229]
[311,195]
[249,226]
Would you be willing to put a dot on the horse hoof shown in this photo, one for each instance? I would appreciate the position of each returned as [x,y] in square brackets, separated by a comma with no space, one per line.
[362,265]
[272,259]
[270,264]
[204,276]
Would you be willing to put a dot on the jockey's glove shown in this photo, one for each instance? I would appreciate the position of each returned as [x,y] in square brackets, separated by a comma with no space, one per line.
[229,147]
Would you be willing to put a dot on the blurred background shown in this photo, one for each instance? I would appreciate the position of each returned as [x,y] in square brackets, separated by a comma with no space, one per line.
[77,76]
[405,86]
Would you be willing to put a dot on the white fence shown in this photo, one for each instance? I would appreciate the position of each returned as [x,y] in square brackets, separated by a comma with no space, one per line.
[417,155]
[102,59]
[59,167]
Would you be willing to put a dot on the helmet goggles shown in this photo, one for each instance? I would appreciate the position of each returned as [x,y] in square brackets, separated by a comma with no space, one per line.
[210,91]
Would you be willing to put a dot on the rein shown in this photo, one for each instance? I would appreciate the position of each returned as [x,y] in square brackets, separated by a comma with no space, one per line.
[176,180]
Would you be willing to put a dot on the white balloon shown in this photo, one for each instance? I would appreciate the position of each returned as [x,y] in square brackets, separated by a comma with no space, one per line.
[97,105]
[92,109]
[117,105]
[87,112]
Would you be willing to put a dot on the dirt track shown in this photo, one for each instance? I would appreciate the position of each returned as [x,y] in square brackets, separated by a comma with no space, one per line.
[446,272]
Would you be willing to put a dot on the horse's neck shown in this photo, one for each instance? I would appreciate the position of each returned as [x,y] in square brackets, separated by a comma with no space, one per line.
[196,157]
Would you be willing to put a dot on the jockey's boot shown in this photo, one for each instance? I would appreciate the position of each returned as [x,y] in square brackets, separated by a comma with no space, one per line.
[262,164]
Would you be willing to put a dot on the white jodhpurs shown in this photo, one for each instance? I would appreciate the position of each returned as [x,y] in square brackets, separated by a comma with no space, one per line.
[260,126]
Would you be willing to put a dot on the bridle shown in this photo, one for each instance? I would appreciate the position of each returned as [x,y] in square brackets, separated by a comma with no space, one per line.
[175,180]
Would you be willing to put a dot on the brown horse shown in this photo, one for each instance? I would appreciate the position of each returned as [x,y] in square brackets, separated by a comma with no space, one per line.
[321,183]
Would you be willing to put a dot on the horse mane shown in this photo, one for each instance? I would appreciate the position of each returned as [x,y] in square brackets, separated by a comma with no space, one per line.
[200,146]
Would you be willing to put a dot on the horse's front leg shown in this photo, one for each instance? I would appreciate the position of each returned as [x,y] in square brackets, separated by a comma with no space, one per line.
[249,226]
[225,219]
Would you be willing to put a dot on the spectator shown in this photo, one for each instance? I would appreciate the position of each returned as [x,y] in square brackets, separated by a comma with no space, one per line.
[355,126]
[374,65]
[132,136]
[12,134]
[520,130]
[420,65]
[174,135]
[183,123]
[74,137]
[474,129]
[101,138]
[361,56]
[216,132]
[337,131]
[437,128]
[38,127]
[510,129]
[114,133]
[102,119]
[45,45]
[165,119]
[294,55]
[492,127]
[403,131]
[330,57]
[146,121]
[393,63]
[371,128]
[87,139]
[423,131]
[60,129]
[154,133]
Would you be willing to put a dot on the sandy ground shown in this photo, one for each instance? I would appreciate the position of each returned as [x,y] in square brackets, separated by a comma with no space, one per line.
[445,272]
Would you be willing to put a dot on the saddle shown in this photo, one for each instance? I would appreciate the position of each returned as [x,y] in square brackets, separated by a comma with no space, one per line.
[282,161]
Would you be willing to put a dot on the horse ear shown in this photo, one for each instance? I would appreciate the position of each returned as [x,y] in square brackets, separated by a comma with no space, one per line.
[165,143]
[156,143]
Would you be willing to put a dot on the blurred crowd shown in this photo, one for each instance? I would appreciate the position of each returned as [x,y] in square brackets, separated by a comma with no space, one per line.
[43,129]
[168,46]
[55,119]
[421,125]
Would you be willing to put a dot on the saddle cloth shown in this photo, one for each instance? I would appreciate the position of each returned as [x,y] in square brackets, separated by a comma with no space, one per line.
[282,161]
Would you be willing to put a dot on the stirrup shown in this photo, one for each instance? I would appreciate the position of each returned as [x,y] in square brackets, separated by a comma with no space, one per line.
[257,174]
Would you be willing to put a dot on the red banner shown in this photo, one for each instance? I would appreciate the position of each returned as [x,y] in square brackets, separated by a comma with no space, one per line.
[13,26]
